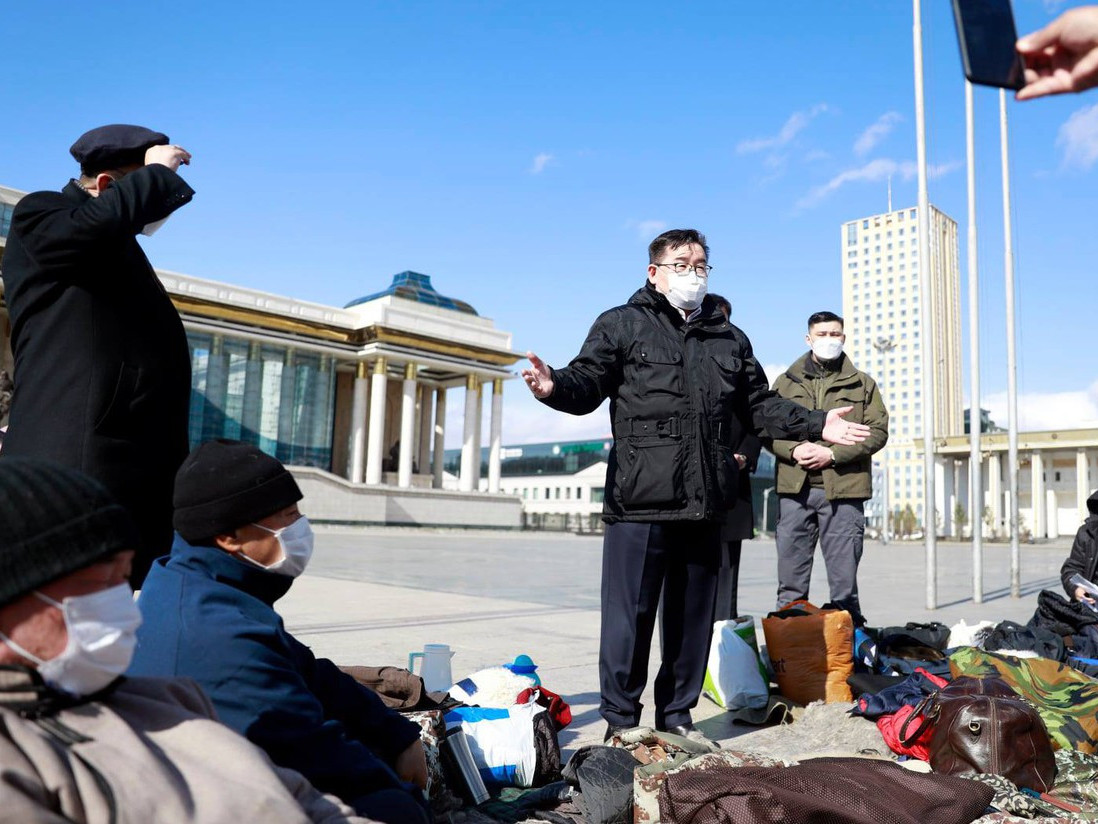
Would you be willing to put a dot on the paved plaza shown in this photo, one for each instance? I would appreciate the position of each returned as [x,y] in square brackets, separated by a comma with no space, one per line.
[370,596]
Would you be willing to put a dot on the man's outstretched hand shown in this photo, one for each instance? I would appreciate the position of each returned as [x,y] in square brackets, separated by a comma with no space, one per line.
[1063,56]
[538,378]
[842,432]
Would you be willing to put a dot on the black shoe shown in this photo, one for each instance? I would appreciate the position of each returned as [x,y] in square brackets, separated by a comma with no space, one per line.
[614,731]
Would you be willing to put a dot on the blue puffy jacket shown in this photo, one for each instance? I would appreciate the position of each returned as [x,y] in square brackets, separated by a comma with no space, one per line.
[210,617]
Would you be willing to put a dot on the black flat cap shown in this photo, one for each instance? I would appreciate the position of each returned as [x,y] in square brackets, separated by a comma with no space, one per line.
[109,147]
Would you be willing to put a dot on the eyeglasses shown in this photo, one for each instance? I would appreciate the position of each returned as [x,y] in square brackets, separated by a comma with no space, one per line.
[702,270]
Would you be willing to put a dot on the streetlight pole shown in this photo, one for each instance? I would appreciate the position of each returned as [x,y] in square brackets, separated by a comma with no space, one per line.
[926,336]
[884,345]
[1012,364]
[975,417]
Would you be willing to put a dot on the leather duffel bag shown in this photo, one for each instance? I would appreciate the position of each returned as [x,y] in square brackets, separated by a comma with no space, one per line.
[981,725]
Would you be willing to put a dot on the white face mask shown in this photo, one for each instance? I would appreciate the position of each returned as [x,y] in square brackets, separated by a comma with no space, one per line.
[102,630]
[296,541]
[827,348]
[151,229]
[686,291]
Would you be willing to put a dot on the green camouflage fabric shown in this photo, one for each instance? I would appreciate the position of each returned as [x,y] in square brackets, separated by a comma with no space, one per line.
[1066,700]
[1077,780]
[432,729]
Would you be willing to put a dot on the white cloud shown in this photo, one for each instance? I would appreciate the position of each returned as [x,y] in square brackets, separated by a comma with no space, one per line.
[872,136]
[533,422]
[795,124]
[540,162]
[1078,138]
[1040,411]
[875,171]
[1053,6]
[648,229]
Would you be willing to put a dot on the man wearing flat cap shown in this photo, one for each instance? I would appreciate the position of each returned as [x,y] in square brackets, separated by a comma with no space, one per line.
[102,370]
[79,743]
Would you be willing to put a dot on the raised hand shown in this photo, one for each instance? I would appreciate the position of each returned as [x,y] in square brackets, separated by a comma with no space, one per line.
[171,156]
[538,378]
[1063,56]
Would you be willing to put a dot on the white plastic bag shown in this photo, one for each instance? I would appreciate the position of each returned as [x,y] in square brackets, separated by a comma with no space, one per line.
[501,740]
[732,678]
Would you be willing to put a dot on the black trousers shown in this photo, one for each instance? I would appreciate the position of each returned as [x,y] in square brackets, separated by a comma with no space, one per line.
[642,562]
[728,582]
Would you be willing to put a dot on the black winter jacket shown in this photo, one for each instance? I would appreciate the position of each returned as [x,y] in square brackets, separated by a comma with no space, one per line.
[682,395]
[1084,551]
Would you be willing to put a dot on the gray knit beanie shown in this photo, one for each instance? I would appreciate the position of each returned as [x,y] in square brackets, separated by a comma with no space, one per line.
[53,521]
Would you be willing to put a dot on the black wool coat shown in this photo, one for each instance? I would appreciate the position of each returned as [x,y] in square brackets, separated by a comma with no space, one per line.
[682,396]
[102,370]
[1084,550]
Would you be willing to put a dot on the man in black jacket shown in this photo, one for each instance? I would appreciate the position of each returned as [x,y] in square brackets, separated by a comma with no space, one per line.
[1083,559]
[102,369]
[684,386]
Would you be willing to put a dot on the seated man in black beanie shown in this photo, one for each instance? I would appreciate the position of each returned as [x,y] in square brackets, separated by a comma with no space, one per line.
[79,743]
[209,615]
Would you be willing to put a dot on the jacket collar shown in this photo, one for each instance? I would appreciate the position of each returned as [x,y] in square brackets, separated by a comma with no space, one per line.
[220,566]
[805,369]
[710,317]
[23,691]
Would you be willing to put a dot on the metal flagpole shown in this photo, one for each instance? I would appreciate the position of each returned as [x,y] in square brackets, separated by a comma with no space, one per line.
[1012,363]
[975,417]
[926,337]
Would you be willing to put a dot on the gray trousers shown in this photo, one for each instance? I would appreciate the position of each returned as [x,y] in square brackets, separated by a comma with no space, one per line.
[838,526]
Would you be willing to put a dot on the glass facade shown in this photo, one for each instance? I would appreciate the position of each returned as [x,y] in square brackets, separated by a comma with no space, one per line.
[279,398]
[5,219]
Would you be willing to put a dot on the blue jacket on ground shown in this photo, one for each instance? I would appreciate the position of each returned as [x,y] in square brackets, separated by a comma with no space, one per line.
[210,617]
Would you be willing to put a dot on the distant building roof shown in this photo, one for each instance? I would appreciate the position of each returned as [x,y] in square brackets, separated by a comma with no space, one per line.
[417,287]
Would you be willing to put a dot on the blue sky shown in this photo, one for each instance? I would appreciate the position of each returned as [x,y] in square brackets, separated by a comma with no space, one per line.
[524,154]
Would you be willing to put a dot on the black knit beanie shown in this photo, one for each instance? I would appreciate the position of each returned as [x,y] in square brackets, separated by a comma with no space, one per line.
[53,521]
[223,485]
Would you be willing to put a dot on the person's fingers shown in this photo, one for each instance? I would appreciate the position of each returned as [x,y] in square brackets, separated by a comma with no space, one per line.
[1042,38]
[1059,83]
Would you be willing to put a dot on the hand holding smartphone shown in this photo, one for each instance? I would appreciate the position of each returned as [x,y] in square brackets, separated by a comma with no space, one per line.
[987,36]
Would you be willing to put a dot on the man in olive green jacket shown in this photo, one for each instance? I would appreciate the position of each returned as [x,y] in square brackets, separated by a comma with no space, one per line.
[821,488]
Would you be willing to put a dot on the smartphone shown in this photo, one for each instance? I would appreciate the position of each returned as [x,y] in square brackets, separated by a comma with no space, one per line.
[986,33]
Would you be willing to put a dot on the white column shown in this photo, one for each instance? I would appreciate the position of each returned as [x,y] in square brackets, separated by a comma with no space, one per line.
[358,423]
[423,457]
[1082,483]
[1037,493]
[936,511]
[1052,514]
[495,445]
[376,435]
[995,490]
[467,482]
[440,437]
[478,434]
[949,496]
[407,427]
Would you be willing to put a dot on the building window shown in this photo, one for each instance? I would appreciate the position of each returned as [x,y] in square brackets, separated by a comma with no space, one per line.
[851,234]
[5,219]
[598,494]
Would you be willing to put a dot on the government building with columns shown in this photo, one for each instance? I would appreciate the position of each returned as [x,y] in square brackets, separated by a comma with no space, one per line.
[352,399]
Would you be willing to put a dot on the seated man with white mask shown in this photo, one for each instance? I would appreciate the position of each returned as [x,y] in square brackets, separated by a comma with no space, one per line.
[209,615]
[79,743]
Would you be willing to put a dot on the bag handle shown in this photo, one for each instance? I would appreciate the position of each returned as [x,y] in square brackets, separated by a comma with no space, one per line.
[929,718]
